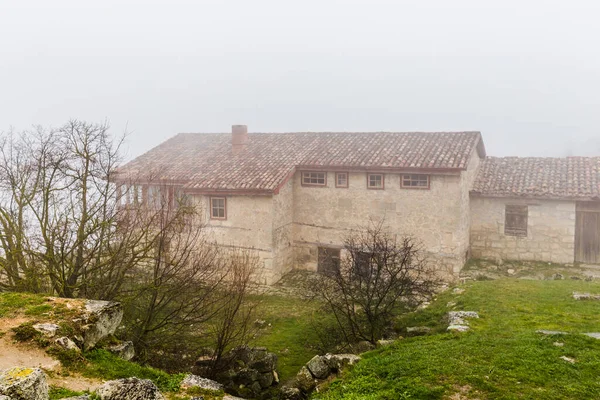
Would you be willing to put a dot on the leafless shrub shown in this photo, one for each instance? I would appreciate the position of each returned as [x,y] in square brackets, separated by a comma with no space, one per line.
[378,273]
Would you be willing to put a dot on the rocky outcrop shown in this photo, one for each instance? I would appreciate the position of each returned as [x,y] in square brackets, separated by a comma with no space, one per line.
[101,319]
[191,381]
[249,372]
[585,296]
[457,320]
[24,384]
[48,330]
[66,344]
[129,389]
[125,350]
[318,369]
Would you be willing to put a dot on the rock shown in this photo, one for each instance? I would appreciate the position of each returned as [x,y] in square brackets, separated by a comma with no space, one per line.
[203,383]
[451,304]
[246,377]
[557,277]
[567,359]
[423,305]
[125,350]
[558,344]
[458,291]
[290,393]
[575,278]
[305,380]
[363,346]
[338,361]
[129,389]
[585,296]
[266,380]
[24,384]
[102,319]
[510,271]
[260,323]
[197,398]
[318,367]
[588,278]
[384,342]
[230,397]
[548,333]
[67,344]
[48,330]
[3,397]
[275,377]
[418,330]
[595,335]
[82,397]
[458,328]
[459,317]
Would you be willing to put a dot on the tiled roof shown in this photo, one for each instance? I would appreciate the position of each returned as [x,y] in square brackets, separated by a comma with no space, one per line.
[552,178]
[206,162]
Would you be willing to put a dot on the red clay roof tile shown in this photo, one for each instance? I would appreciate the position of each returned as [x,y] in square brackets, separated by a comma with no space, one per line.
[552,178]
[206,161]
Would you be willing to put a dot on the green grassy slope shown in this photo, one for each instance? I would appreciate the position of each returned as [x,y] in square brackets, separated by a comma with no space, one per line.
[502,357]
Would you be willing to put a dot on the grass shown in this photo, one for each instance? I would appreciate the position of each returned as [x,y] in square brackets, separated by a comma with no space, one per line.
[292,336]
[56,393]
[502,357]
[13,303]
[106,366]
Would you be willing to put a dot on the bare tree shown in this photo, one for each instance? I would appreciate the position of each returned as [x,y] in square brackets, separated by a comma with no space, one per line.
[378,273]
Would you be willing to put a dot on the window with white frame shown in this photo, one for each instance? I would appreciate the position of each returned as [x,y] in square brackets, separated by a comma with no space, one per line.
[375,181]
[218,208]
[314,178]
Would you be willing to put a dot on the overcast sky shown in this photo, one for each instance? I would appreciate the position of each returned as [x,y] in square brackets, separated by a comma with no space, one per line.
[524,73]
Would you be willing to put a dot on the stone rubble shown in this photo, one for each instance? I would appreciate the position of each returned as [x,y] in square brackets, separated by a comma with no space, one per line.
[457,320]
[129,389]
[191,380]
[585,296]
[548,333]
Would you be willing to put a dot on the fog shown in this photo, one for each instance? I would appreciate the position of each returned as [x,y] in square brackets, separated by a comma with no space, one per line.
[524,73]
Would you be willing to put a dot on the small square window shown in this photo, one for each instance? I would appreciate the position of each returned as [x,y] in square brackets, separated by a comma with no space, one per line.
[218,208]
[314,179]
[375,181]
[415,181]
[515,220]
[341,179]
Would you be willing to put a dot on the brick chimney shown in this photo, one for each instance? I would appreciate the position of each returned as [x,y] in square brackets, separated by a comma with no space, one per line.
[239,138]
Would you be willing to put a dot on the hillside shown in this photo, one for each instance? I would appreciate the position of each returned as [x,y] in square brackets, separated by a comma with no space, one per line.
[501,357]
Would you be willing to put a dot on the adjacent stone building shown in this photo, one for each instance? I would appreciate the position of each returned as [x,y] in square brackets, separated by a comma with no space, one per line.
[293,197]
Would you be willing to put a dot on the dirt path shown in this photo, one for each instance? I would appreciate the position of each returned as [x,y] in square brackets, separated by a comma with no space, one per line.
[13,354]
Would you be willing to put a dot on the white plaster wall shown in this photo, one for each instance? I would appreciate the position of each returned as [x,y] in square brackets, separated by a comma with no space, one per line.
[550,230]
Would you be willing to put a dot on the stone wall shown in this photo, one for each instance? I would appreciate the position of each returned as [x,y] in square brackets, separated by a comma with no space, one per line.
[438,217]
[283,231]
[249,225]
[550,230]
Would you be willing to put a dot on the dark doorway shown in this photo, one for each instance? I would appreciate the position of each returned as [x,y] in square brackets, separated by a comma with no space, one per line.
[587,232]
[329,260]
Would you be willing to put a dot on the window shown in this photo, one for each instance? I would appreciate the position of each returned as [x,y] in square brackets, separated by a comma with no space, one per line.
[181,199]
[314,178]
[341,179]
[329,261]
[154,196]
[218,208]
[415,181]
[375,181]
[362,264]
[515,223]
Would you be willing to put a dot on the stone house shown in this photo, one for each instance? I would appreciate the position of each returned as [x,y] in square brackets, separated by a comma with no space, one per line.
[293,197]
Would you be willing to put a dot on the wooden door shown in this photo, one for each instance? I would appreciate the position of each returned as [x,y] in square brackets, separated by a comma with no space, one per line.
[587,232]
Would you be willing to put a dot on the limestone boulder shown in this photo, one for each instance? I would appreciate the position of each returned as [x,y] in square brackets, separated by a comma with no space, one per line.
[48,330]
[318,367]
[101,319]
[24,384]
[191,381]
[305,381]
[125,350]
[338,361]
[129,389]
[66,344]
[290,393]
[82,397]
